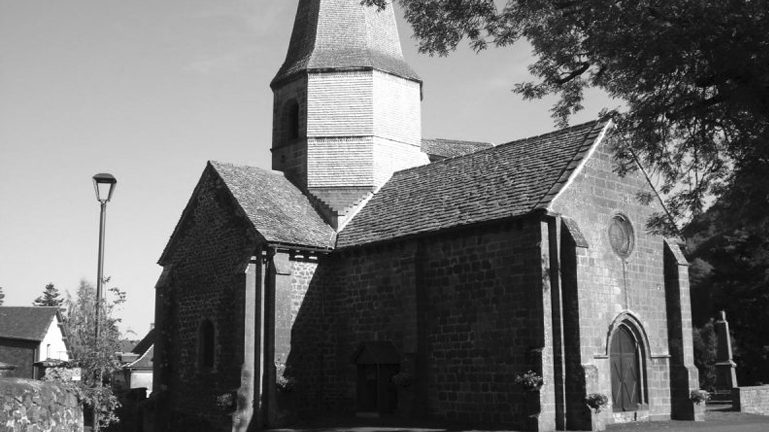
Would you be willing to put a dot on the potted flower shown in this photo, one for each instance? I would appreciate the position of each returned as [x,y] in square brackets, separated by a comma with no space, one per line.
[530,381]
[597,401]
[699,396]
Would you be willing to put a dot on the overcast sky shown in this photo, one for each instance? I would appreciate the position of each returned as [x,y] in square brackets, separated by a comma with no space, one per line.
[151,90]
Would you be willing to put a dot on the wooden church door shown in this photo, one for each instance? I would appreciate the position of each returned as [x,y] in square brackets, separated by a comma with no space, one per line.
[625,376]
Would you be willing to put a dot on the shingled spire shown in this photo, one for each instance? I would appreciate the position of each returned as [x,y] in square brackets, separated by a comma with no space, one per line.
[347,108]
[343,35]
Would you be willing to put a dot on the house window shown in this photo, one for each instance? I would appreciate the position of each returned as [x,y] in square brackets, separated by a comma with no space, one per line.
[621,235]
[207,344]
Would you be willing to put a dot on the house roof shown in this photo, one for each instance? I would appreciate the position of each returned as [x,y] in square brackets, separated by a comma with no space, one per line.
[144,361]
[508,180]
[26,323]
[343,34]
[146,343]
[446,148]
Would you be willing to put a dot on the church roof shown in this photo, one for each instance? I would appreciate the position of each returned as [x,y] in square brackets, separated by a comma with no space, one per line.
[26,323]
[278,210]
[505,181]
[343,34]
[446,148]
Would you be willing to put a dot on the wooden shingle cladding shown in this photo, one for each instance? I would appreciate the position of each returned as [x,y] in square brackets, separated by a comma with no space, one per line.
[343,35]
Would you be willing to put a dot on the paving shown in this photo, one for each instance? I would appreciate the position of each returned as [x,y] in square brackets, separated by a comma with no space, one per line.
[716,420]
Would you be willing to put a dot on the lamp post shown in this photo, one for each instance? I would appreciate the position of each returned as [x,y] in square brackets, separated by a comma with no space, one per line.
[104,185]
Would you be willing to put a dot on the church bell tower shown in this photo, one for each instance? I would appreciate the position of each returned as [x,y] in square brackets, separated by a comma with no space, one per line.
[346,111]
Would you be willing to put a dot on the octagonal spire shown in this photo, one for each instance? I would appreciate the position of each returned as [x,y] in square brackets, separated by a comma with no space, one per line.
[343,35]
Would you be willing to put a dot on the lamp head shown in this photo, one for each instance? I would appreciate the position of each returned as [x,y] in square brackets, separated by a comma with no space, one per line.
[104,184]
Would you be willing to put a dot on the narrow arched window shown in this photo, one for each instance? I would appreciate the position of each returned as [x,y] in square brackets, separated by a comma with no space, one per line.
[207,345]
[292,120]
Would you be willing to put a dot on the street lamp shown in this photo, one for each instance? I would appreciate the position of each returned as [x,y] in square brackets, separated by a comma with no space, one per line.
[104,185]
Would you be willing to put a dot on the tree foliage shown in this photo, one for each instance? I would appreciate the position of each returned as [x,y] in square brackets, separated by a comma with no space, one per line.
[2,296]
[729,251]
[693,76]
[50,297]
[96,357]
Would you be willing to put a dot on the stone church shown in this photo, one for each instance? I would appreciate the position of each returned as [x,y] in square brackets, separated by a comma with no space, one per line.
[376,273]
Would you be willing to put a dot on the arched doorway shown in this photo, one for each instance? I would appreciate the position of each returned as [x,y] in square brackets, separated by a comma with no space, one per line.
[627,377]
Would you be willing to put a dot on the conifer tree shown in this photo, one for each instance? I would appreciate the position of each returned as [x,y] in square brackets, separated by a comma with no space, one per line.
[50,297]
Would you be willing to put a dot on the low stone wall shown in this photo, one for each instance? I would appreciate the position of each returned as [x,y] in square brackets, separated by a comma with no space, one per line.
[30,405]
[753,400]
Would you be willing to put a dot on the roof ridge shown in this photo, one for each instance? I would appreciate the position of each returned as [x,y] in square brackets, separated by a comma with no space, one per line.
[268,171]
[497,147]
[557,131]
[457,140]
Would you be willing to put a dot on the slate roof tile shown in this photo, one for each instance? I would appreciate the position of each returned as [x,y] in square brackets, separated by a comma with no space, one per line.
[25,323]
[278,210]
[145,343]
[447,148]
[504,181]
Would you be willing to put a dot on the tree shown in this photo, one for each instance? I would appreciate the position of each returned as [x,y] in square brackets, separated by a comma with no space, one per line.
[96,357]
[693,76]
[2,296]
[729,252]
[50,297]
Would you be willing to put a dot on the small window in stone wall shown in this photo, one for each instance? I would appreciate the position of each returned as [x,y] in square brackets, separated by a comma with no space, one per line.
[207,345]
[621,235]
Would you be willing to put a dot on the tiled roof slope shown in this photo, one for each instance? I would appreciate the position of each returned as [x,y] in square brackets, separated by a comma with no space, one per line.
[25,323]
[144,361]
[145,343]
[277,209]
[451,148]
[343,34]
[504,181]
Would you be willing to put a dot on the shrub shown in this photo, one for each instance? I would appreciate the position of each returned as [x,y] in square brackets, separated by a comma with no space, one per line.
[529,381]
[597,401]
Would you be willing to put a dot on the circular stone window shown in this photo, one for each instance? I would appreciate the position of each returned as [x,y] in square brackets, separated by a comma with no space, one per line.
[621,235]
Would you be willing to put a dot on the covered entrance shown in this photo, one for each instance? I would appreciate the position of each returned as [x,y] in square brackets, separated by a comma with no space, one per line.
[627,378]
[377,362]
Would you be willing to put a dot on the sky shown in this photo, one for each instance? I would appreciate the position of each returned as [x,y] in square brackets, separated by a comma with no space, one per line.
[149,91]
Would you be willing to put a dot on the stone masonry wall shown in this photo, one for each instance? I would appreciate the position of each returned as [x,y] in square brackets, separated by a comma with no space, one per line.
[29,405]
[753,400]
[465,308]
[207,282]
[609,285]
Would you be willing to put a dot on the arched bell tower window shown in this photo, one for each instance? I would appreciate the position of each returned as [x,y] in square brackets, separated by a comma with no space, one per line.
[291,119]
[207,344]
